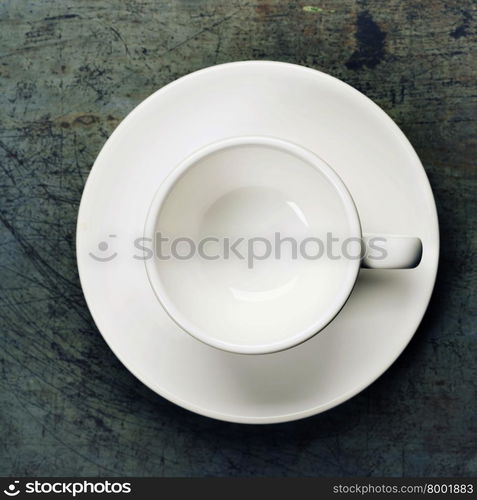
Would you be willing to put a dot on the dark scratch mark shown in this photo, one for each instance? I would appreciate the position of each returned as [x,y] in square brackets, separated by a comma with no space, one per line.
[39,46]
[11,154]
[217,48]
[370,38]
[459,31]
[64,16]
[86,119]
[203,30]
[116,32]
[463,29]
[75,149]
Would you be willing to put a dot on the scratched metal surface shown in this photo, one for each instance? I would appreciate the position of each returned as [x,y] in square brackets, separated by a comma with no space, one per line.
[70,71]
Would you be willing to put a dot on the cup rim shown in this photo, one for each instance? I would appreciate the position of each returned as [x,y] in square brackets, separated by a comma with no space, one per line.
[167,186]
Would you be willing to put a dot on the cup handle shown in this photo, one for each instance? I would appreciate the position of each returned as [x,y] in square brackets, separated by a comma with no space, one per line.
[391,252]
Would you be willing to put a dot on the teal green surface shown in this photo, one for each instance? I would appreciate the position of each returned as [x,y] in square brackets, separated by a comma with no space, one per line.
[70,71]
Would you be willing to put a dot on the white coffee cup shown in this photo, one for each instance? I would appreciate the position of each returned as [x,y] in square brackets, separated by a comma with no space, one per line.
[301,231]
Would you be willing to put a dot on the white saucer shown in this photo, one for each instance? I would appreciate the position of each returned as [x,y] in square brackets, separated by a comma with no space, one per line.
[303,106]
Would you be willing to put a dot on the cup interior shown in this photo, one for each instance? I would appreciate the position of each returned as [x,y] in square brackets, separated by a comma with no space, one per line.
[250,238]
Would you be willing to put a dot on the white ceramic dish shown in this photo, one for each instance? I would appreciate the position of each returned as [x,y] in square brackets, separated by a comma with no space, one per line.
[322,115]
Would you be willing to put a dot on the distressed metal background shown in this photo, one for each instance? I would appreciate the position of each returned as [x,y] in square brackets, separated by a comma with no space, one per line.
[70,71]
